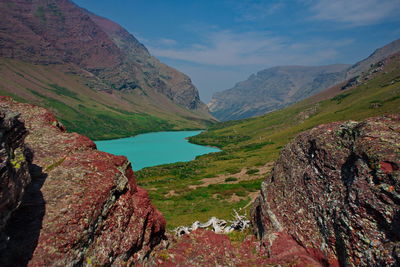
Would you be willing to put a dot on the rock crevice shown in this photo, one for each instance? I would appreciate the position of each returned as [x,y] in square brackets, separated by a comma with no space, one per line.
[334,189]
[83,206]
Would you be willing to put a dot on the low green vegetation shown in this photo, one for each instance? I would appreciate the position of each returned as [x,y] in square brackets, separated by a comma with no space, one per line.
[99,122]
[231,179]
[82,107]
[252,171]
[176,189]
[62,91]
[186,192]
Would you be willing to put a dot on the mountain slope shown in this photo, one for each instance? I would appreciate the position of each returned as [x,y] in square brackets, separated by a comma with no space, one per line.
[277,87]
[56,54]
[376,56]
[273,89]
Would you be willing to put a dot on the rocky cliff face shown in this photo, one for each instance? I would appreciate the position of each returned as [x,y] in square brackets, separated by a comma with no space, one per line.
[336,189]
[14,162]
[273,89]
[149,70]
[58,32]
[83,205]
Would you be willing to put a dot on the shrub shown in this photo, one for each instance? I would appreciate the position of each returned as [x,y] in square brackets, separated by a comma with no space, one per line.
[233,170]
[231,179]
[252,171]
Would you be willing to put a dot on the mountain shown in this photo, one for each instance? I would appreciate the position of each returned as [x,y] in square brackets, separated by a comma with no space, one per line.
[272,89]
[376,56]
[277,87]
[97,78]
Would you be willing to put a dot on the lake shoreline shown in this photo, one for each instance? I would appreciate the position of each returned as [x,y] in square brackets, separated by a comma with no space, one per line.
[163,131]
[156,148]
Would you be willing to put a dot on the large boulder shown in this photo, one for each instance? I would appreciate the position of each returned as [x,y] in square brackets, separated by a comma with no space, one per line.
[82,206]
[336,190]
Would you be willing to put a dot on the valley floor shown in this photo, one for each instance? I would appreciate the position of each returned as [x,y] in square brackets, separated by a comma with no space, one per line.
[217,183]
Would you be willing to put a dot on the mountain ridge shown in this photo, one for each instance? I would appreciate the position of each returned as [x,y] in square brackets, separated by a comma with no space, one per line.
[295,81]
[269,90]
[105,68]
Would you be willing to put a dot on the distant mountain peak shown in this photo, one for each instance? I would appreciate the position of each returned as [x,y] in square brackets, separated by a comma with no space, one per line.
[272,89]
[276,87]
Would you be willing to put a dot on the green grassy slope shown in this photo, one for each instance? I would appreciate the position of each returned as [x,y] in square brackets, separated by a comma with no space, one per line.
[249,145]
[97,114]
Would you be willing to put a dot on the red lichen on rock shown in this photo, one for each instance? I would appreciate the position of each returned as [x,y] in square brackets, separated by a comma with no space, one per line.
[336,189]
[388,167]
[206,248]
[83,205]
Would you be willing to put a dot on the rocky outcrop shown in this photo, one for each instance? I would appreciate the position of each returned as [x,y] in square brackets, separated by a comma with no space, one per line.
[82,206]
[14,162]
[336,190]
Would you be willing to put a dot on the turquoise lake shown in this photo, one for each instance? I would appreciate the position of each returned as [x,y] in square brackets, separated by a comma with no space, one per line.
[158,148]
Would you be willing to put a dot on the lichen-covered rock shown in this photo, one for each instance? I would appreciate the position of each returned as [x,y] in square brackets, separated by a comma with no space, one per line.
[83,205]
[336,189]
[14,172]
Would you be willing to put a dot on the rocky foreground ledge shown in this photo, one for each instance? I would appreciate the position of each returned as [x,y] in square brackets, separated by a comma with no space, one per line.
[82,207]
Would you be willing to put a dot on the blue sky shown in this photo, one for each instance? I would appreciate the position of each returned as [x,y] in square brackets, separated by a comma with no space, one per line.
[220,42]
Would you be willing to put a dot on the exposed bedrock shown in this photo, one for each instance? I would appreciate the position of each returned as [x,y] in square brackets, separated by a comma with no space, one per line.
[82,206]
[335,190]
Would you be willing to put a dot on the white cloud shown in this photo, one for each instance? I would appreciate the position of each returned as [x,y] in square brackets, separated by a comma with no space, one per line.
[354,12]
[257,10]
[227,48]
[168,42]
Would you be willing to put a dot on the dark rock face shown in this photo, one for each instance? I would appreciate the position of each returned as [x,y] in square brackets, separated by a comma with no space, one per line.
[83,205]
[14,162]
[273,89]
[336,189]
[59,32]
